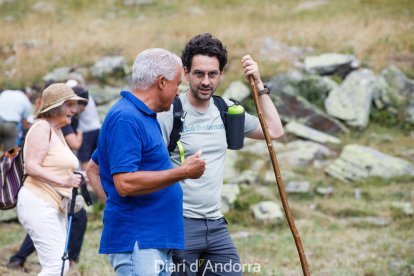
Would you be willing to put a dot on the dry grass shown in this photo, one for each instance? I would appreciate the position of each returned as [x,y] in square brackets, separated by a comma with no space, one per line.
[378,32]
[81,33]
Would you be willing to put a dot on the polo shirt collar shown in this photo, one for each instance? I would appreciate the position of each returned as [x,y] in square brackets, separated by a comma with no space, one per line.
[137,102]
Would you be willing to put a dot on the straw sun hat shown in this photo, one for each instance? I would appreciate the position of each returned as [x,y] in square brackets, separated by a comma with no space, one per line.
[56,95]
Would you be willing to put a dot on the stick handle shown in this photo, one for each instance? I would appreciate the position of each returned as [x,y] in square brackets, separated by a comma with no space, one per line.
[73,200]
[279,181]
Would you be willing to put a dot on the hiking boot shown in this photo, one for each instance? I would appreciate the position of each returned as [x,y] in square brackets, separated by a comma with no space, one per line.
[16,265]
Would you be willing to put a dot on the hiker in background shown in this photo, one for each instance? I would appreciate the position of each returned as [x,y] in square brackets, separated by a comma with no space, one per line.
[72,132]
[206,234]
[50,166]
[89,125]
[143,214]
[79,222]
[15,108]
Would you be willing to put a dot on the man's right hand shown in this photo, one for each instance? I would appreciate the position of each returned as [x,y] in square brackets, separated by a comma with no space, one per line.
[195,166]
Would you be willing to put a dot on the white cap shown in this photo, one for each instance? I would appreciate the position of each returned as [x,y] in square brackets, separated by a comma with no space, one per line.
[72,83]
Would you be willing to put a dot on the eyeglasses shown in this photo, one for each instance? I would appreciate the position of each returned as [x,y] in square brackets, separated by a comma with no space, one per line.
[212,75]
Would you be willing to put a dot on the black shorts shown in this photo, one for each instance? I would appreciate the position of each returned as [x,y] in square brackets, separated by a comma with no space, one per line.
[89,143]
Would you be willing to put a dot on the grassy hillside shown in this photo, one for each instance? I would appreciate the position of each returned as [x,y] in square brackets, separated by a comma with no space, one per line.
[77,32]
[378,32]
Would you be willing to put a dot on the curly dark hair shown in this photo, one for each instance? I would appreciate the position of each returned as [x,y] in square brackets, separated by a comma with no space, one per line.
[204,44]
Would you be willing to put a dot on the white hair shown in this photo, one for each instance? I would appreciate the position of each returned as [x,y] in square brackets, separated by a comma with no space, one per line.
[152,63]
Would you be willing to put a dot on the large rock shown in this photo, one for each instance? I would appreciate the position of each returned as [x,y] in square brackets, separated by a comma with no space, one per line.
[105,97]
[237,91]
[267,211]
[229,195]
[357,162]
[294,154]
[401,90]
[296,108]
[230,172]
[352,100]
[401,87]
[62,74]
[104,94]
[312,87]
[306,132]
[259,147]
[298,187]
[109,65]
[331,63]
[302,153]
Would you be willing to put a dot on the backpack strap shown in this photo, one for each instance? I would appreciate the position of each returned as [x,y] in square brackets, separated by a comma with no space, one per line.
[222,107]
[178,119]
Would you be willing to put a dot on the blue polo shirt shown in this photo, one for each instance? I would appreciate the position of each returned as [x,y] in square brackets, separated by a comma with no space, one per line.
[130,140]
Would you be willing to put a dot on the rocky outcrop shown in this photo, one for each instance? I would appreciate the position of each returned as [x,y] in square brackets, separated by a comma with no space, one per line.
[267,211]
[308,133]
[297,108]
[302,153]
[237,91]
[109,65]
[352,100]
[331,63]
[229,195]
[313,88]
[357,162]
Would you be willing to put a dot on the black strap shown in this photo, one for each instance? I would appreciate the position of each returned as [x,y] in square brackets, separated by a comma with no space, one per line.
[178,117]
[84,190]
[222,107]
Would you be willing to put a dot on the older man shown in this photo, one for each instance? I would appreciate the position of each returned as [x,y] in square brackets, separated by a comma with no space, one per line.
[143,215]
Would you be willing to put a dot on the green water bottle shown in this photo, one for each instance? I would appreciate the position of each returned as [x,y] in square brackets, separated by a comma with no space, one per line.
[235,127]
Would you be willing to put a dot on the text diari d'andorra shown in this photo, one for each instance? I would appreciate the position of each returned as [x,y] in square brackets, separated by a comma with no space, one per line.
[206,265]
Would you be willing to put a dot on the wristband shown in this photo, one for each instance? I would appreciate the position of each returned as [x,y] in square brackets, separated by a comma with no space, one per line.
[265,90]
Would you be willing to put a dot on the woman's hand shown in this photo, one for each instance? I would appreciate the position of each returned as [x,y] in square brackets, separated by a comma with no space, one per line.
[73,181]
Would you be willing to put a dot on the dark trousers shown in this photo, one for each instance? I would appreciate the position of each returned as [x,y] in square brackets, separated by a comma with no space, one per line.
[77,232]
[209,250]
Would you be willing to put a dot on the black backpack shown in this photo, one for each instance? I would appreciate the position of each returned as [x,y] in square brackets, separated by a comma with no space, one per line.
[179,116]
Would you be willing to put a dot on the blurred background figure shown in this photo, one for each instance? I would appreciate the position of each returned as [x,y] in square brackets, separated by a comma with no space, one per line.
[15,108]
[89,126]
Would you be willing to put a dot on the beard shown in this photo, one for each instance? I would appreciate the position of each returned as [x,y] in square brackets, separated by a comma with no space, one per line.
[202,93]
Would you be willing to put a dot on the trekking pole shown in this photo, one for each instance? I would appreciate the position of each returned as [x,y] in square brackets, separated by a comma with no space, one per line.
[279,181]
[71,212]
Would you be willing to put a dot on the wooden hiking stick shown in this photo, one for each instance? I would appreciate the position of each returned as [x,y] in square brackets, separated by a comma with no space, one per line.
[279,181]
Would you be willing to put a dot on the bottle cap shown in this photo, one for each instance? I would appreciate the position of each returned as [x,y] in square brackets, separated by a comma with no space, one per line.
[235,109]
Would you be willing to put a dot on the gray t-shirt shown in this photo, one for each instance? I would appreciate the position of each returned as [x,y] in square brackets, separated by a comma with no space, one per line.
[202,131]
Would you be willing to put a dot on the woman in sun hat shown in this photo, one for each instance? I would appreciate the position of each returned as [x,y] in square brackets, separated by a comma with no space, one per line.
[49,166]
